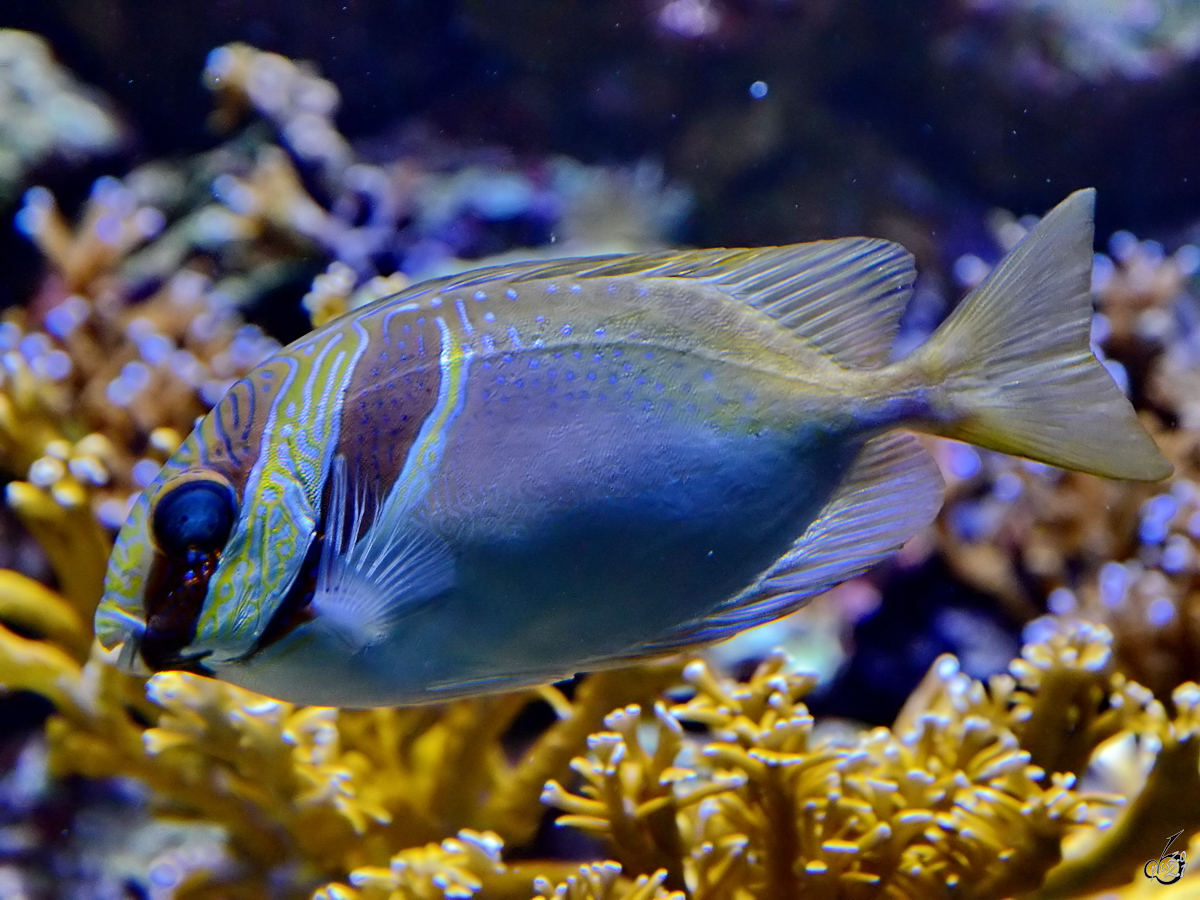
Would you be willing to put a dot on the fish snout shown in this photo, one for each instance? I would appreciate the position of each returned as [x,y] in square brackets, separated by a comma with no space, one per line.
[120,634]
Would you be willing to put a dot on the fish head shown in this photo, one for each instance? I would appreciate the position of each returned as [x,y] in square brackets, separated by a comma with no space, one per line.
[213,550]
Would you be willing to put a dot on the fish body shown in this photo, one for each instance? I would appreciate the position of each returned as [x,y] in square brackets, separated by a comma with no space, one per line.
[504,477]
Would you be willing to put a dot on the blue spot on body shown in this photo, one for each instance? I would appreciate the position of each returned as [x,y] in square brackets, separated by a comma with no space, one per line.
[708,376]
[566,330]
[575,289]
[510,294]
[533,363]
[552,288]
[489,316]
[480,296]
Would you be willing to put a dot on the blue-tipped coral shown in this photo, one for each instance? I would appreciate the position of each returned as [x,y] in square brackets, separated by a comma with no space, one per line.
[45,113]
[1094,42]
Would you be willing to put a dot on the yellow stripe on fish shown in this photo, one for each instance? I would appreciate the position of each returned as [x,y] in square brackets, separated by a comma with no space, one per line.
[507,476]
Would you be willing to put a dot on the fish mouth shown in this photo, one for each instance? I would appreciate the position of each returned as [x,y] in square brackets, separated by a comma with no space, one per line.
[185,662]
[132,658]
[127,652]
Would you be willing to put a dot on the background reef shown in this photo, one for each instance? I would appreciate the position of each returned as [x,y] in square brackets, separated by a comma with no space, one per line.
[1007,709]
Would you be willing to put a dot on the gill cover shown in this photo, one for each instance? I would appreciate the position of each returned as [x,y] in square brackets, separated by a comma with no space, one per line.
[216,544]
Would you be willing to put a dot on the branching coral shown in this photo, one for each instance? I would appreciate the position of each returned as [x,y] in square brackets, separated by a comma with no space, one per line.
[1098,41]
[470,865]
[970,794]
[45,113]
[411,211]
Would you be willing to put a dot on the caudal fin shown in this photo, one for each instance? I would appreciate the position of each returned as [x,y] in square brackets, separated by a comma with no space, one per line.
[1015,366]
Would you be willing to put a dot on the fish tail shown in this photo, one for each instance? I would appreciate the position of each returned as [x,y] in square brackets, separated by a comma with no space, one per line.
[1012,368]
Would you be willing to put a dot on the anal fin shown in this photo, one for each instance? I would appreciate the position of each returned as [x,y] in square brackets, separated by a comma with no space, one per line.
[892,491]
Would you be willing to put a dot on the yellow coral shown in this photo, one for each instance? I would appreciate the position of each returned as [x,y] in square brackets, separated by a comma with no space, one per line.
[470,864]
[950,802]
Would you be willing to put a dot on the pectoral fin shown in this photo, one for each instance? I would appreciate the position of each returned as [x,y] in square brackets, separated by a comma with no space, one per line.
[368,580]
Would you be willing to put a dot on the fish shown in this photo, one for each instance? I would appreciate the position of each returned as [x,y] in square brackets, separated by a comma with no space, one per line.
[505,477]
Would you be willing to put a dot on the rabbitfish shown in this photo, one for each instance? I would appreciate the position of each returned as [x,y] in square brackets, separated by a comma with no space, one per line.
[508,476]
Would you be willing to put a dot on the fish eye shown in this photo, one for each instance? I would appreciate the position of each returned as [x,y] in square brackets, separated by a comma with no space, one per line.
[195,515]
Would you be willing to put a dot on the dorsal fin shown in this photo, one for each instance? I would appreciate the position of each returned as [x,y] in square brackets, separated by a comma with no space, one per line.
[844,296]
[893,491]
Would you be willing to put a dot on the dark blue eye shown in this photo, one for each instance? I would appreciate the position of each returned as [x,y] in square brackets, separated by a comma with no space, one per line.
[196,515]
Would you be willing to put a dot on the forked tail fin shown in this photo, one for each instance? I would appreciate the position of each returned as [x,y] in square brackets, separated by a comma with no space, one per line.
[1014,368]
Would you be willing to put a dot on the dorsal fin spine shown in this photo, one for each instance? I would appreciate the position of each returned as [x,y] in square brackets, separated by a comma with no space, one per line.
[844,297]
